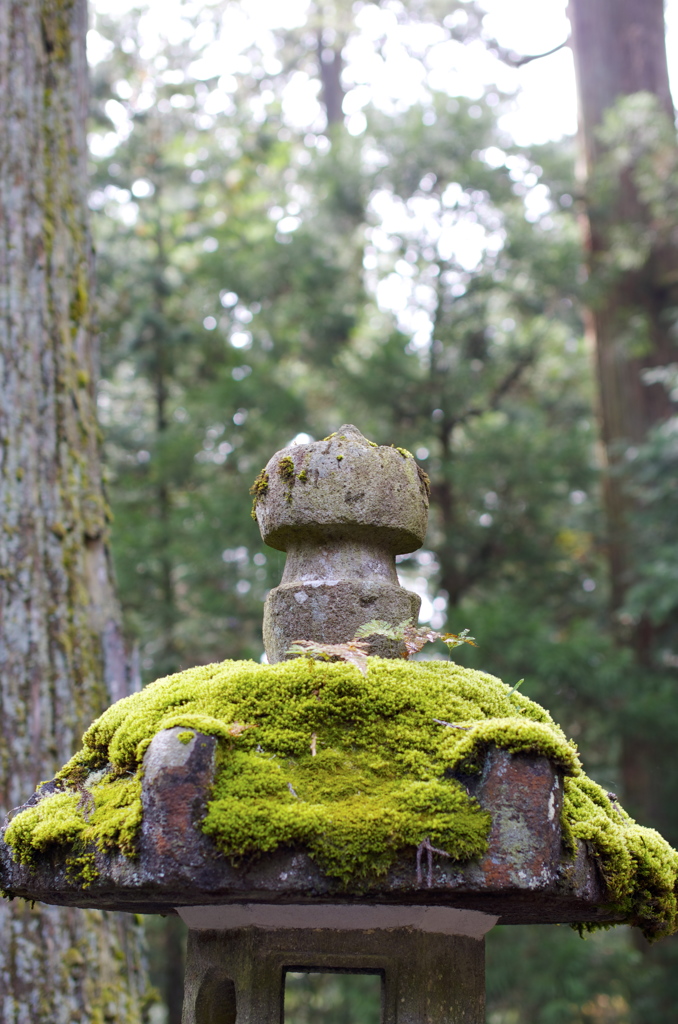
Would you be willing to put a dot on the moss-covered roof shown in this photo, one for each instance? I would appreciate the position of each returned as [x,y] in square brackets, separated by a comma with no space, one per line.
[354,769]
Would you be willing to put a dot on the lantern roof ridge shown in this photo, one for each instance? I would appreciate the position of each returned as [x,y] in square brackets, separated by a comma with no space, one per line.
[381,784]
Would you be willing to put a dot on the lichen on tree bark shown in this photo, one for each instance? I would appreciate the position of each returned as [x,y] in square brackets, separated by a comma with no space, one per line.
[61,657]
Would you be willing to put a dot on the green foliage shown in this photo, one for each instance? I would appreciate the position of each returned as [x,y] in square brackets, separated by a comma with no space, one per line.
[653,482]
[189,413]
[555,978]
[381,628]
[328,998]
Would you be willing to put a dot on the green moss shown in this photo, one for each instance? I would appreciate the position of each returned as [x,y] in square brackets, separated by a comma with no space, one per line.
[303,476]
[286,471]
[73,957]
[57,29]
[258,490]
[404,452]
[79,309]
[286,468]
[339,458]
[186,737]
[104,814]
[54,821]
[354,769]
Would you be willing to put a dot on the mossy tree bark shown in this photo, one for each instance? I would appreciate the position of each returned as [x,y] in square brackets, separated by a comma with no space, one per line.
[619,49]
[62,658]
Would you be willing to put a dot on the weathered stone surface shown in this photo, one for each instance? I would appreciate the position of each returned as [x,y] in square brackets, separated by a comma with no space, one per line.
[523,878]
[344,487]
[331,611]
[338,917]
[425,977]
[525,796]
[177,781]
[341,509]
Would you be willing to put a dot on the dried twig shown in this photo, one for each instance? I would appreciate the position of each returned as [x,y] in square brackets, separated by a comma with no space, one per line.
[10,814]
[451,725]
[355,652]
[86,802]
[518,60]
[236,729]
[426,847]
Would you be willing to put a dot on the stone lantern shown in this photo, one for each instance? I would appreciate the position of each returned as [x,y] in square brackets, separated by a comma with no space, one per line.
[291,813]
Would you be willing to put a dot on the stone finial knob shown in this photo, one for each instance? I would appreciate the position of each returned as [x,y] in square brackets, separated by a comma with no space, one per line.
[342,509]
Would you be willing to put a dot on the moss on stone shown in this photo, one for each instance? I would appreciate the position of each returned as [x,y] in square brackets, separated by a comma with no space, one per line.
[286,468]
[354,769]
[104,814]
[258,490]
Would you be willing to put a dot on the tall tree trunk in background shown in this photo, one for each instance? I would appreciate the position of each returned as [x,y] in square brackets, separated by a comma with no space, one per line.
[62,658]
[330,67]
[620,50]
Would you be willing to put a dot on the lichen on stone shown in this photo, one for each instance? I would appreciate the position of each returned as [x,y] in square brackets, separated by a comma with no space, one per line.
[425,479]
[354,769]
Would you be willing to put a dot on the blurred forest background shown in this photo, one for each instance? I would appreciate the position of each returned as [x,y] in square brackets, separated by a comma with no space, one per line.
[416,272]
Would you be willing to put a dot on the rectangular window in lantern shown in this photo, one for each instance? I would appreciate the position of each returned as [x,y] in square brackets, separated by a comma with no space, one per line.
[332,997]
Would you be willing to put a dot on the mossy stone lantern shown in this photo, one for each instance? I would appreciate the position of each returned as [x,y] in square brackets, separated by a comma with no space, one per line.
[362,814]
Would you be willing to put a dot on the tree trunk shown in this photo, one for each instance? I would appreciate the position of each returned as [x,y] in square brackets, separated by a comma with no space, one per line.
[330,67]
[62,659]
[619,50]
